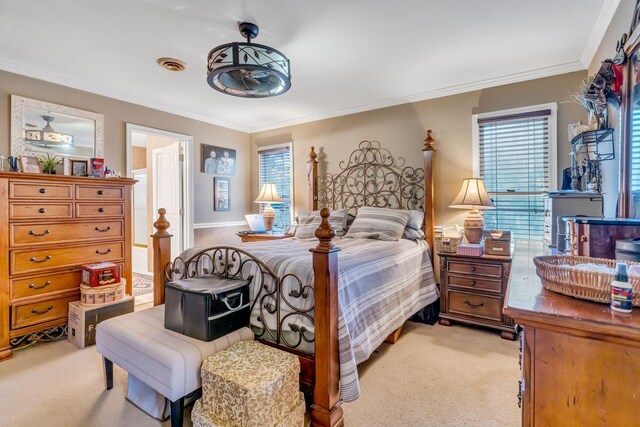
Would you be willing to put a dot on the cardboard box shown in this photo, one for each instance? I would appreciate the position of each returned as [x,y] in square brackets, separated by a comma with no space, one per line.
[83,319]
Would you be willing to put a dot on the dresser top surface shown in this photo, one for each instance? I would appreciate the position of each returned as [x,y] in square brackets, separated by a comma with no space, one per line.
[528,301]
[65,178]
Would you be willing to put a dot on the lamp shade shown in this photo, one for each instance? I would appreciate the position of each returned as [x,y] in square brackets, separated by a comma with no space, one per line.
[473,194]
[268,194]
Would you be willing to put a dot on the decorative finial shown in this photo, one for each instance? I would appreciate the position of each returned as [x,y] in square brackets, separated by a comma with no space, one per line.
[161,224]
[313,155]
[324,232]
[429,141]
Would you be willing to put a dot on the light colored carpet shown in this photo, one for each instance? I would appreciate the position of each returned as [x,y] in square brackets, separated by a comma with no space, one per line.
[141,284]
[433,376]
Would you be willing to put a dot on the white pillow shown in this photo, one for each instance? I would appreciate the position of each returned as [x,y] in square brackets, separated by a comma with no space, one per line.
[309,221]
[379,223]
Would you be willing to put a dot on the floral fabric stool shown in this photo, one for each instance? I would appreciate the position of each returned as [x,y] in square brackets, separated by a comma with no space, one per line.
[250,385]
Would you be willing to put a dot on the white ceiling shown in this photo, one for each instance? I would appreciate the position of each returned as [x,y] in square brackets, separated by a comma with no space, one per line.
[346,55]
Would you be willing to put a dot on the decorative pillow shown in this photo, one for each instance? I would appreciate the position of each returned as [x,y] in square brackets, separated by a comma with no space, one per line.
[309,221]
[379,223]
[413,230]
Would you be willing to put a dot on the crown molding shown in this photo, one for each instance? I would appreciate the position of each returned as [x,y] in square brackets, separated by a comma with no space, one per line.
[598,31]
[437,93]
[40,74]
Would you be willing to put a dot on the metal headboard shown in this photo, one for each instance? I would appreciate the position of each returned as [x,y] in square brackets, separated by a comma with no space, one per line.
[371,177]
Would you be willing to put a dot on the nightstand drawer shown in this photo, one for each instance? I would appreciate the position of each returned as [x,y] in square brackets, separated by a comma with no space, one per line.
[473,283]
[484,306]
[492,270]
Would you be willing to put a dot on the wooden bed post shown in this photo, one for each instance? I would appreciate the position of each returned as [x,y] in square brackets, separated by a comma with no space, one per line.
[312,173]
[161,255]
[326,409]
[429,210]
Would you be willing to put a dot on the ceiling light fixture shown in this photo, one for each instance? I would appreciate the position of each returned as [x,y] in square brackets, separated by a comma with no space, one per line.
[48,136]
[248,70]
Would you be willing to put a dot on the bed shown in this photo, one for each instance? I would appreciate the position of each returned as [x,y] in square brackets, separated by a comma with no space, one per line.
[335,306]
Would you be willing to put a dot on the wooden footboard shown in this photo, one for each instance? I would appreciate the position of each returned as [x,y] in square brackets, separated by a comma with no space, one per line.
[320,371]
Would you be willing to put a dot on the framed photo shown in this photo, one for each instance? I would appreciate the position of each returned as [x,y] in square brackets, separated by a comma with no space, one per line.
[221,194]
[78,167]
[29,164]
[96,167]
[218,160]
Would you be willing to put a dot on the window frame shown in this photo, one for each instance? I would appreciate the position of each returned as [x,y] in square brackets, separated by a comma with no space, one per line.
[291,169]
[553,137]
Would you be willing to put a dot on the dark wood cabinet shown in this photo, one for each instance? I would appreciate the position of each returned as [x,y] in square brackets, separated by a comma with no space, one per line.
[596,237]
[472,291]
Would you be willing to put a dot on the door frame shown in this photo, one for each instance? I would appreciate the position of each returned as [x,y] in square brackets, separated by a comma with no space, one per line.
[187,188]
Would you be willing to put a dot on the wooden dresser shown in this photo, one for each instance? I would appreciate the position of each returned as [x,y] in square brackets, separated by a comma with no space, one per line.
[472,291]
[580,361]
[50,226]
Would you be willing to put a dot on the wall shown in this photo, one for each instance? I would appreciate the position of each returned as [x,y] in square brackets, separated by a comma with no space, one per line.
[619,25]
[402,130]
[117,113]
[138,158]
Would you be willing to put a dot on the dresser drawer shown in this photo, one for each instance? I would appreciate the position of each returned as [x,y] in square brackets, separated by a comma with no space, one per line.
[40,210]
[48,233]
[97,210]
[482,306]
[44,284]
[31,260]
[34,190]
[474,283]
[97,192]
[492,270]
[40,312]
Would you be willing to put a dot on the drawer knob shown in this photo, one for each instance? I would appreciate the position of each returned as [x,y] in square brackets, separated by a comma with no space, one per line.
[470,304]
[35,311]
[100,192]
[101,210]
[473,283]
[42,210]
[33,233]
[33,285]
[45,259]
[473,268]
[43,190]
[103,253]
[103,230]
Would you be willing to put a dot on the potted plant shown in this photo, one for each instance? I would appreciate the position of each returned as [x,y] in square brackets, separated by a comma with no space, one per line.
[49,163]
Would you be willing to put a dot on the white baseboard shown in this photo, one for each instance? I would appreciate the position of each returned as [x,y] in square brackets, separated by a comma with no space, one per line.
[220,224]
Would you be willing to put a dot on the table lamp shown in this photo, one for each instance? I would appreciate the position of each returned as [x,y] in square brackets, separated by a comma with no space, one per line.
[268,195]
[473,195]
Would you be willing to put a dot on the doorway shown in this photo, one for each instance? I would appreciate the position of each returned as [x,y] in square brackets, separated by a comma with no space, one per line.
[161,163]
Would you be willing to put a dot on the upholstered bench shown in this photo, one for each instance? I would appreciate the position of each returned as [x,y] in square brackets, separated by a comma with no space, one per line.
[166,361]
[251,385]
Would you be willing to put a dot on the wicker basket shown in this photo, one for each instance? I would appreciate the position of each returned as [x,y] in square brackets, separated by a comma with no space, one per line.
[590,285]
[447,244]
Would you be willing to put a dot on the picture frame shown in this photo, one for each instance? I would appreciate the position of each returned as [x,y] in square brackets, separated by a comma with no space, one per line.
[78,167]
[217,160]
[221,194]
[96,167]
[29,164]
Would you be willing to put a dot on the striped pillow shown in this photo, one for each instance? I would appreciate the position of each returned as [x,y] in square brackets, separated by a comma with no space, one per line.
[309,221]
[379,223]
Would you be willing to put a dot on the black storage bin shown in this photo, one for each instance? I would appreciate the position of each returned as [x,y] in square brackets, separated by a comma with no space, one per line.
[206,308]
[628,249]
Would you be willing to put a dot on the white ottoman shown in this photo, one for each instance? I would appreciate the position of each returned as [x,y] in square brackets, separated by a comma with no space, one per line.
[166,361]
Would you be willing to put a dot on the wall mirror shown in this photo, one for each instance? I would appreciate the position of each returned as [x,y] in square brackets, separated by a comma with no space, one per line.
[39,127]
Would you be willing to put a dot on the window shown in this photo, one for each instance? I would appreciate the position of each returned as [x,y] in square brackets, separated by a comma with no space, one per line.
[515,155]
[275,165]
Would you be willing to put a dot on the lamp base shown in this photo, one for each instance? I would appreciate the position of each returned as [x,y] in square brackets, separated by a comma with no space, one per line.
[473,227]
[269,217]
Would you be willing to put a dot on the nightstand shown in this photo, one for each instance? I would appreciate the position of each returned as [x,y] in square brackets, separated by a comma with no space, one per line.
[261,237]
[472,291]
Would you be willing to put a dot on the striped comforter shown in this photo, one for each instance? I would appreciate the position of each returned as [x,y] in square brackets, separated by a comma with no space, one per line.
[381,284]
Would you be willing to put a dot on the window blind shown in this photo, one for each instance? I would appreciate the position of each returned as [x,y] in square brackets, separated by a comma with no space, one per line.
[275,168]
[635,149]
[515,165]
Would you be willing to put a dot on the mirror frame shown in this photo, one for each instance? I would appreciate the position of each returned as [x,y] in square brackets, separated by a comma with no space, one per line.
[18,105]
